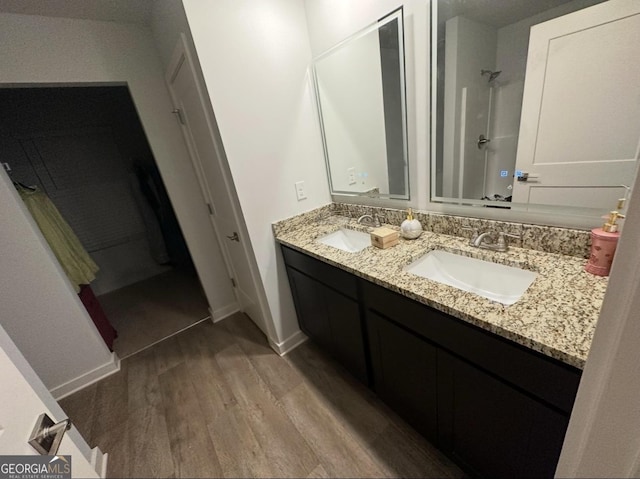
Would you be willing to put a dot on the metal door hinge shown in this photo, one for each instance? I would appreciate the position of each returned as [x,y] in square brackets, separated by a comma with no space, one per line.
[233,282]
[178,113]
[47,435]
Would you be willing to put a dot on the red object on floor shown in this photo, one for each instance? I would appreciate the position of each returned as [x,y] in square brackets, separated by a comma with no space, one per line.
[91,303]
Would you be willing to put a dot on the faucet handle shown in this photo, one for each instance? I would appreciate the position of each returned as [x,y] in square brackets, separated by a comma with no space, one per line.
[502,242]
[474,236]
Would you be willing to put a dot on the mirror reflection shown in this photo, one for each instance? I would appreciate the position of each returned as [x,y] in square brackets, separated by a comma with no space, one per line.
[536,102]
[360,92]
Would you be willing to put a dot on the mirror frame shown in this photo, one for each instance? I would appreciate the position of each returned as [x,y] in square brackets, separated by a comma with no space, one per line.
[397,14]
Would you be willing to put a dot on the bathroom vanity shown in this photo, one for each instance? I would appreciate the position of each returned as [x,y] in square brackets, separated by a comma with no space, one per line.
[491,385]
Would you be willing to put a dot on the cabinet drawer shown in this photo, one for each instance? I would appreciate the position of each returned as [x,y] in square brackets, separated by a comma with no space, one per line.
[331,276]
[543,377]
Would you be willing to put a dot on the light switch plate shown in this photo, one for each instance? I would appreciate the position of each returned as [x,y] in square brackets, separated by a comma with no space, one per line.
[300,191]
[351,176]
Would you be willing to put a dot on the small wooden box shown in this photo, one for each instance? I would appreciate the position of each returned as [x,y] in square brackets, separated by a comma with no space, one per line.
[384,238]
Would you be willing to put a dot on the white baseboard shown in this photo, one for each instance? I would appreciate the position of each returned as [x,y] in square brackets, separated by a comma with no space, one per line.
[224,312]
[289,344]
[86,379]
[99,461]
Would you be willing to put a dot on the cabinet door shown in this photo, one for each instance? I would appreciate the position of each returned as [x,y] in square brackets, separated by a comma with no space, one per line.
[493,428]
[309,299]
[404,373]
[346,333]
[332,320]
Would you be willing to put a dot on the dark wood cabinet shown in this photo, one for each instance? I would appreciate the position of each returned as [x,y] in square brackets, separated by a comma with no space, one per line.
[311,306]
[501,410]
[347,338]
[495,407]
[492,428]
[404,373]
[330,318]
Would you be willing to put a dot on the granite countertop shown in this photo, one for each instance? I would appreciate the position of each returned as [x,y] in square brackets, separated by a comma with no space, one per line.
[556,315]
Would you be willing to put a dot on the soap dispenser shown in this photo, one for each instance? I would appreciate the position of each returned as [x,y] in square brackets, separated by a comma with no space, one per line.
[603,244]
[410,228]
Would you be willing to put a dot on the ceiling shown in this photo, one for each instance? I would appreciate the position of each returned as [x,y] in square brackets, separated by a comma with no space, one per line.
[127,11]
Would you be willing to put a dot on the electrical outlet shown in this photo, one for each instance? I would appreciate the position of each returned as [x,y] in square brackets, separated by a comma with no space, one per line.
[300,192]
[351,175]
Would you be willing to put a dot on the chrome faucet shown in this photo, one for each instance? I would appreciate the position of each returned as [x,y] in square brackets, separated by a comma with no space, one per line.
[369,220]
[484,241]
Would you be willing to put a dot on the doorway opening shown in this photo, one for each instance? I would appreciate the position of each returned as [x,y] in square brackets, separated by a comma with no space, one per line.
[85,148]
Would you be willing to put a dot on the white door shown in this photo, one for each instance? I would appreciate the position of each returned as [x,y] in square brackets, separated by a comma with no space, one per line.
[23,398]
[580,123]
[198,131]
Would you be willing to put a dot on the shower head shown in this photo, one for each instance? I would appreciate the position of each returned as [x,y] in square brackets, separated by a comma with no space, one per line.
[492,75]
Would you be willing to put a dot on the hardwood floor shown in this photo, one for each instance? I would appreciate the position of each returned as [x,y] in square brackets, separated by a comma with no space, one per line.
[216,401]
[151,310]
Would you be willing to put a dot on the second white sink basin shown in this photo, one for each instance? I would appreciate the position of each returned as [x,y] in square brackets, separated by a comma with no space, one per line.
[347,240]
[498,282]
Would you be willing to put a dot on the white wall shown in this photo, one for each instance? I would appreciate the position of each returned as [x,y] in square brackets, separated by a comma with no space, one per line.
[124,264]
[55,50]
[255,58]
[350,84]
[331,21]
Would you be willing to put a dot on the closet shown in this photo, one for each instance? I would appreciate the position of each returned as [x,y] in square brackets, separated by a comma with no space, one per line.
[85,150]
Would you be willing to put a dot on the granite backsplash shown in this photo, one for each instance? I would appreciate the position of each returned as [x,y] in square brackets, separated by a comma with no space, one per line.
[549,239]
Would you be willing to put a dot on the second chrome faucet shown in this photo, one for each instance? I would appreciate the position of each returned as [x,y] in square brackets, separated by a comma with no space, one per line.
[369,220]
[485,240]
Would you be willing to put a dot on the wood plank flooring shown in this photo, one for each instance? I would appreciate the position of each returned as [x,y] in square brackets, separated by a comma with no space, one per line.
[216,401]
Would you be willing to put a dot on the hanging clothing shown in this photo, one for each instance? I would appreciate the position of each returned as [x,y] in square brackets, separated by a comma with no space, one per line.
[64,243]
[157,246]
[93,307]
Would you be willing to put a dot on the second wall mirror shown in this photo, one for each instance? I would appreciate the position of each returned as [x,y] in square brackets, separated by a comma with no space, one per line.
[536,102]
[360,92]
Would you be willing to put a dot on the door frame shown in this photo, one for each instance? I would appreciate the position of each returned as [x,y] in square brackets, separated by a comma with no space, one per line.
[181,55]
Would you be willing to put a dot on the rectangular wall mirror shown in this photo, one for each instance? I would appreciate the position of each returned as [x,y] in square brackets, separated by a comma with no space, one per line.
[360,93]
[535,102]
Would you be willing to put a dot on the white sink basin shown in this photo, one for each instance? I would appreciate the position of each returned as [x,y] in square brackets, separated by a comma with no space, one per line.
[504,284]
[347,240]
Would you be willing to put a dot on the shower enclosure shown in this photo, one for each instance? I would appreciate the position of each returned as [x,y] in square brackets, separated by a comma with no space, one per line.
[479,137]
